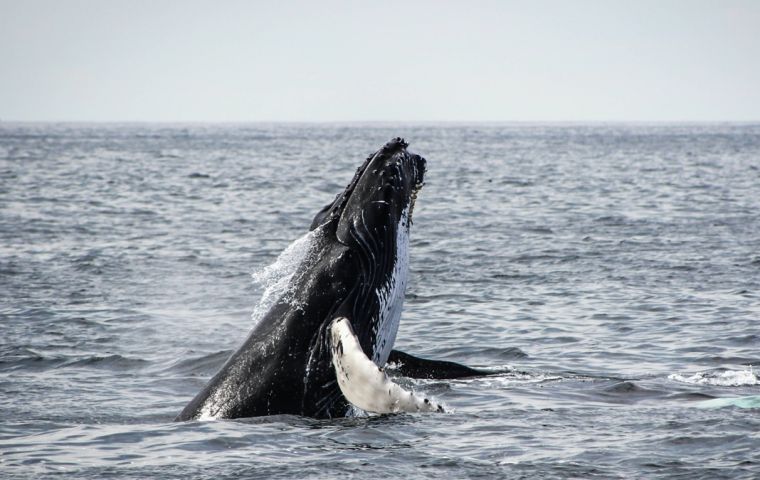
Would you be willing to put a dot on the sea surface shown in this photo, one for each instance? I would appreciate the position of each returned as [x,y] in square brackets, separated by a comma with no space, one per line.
[613,270]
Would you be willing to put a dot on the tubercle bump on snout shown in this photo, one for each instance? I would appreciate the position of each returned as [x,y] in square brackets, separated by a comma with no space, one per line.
[395,144]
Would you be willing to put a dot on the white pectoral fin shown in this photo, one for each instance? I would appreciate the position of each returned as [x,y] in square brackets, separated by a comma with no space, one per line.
[363,383]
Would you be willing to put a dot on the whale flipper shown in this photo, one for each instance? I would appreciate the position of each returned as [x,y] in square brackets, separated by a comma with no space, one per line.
[415,367]
[364,384]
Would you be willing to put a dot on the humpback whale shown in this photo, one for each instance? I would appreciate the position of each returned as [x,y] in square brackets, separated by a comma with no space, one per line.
[323,346]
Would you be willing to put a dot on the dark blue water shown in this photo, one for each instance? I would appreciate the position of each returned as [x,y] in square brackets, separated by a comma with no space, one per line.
[614,268]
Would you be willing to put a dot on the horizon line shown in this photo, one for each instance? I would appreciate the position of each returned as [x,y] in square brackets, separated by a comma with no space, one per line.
[384,122]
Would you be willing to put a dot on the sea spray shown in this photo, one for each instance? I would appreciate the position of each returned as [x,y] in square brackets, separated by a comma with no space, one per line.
[276,279]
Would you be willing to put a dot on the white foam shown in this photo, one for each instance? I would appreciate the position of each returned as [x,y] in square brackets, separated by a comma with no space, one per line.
[514,378]
[276,278]
[726,378]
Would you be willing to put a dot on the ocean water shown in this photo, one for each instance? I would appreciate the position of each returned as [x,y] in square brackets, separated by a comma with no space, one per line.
[613,270]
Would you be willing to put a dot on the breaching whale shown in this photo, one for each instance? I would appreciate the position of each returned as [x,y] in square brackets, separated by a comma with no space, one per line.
[323,346]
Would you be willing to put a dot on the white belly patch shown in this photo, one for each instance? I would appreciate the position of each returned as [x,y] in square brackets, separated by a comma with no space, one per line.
[391,296]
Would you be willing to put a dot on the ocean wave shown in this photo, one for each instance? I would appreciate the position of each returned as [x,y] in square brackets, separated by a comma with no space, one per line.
[30,360]
[202,365]
[113,361]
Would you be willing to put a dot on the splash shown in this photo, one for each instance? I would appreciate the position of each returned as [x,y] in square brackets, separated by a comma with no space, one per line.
[277,279]
[725,378]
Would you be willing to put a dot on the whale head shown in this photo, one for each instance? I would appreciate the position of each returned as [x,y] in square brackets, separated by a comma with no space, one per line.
[382,191]
[372,218]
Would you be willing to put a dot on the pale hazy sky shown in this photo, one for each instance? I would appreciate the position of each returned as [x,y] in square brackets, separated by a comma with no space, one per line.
[317,60]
